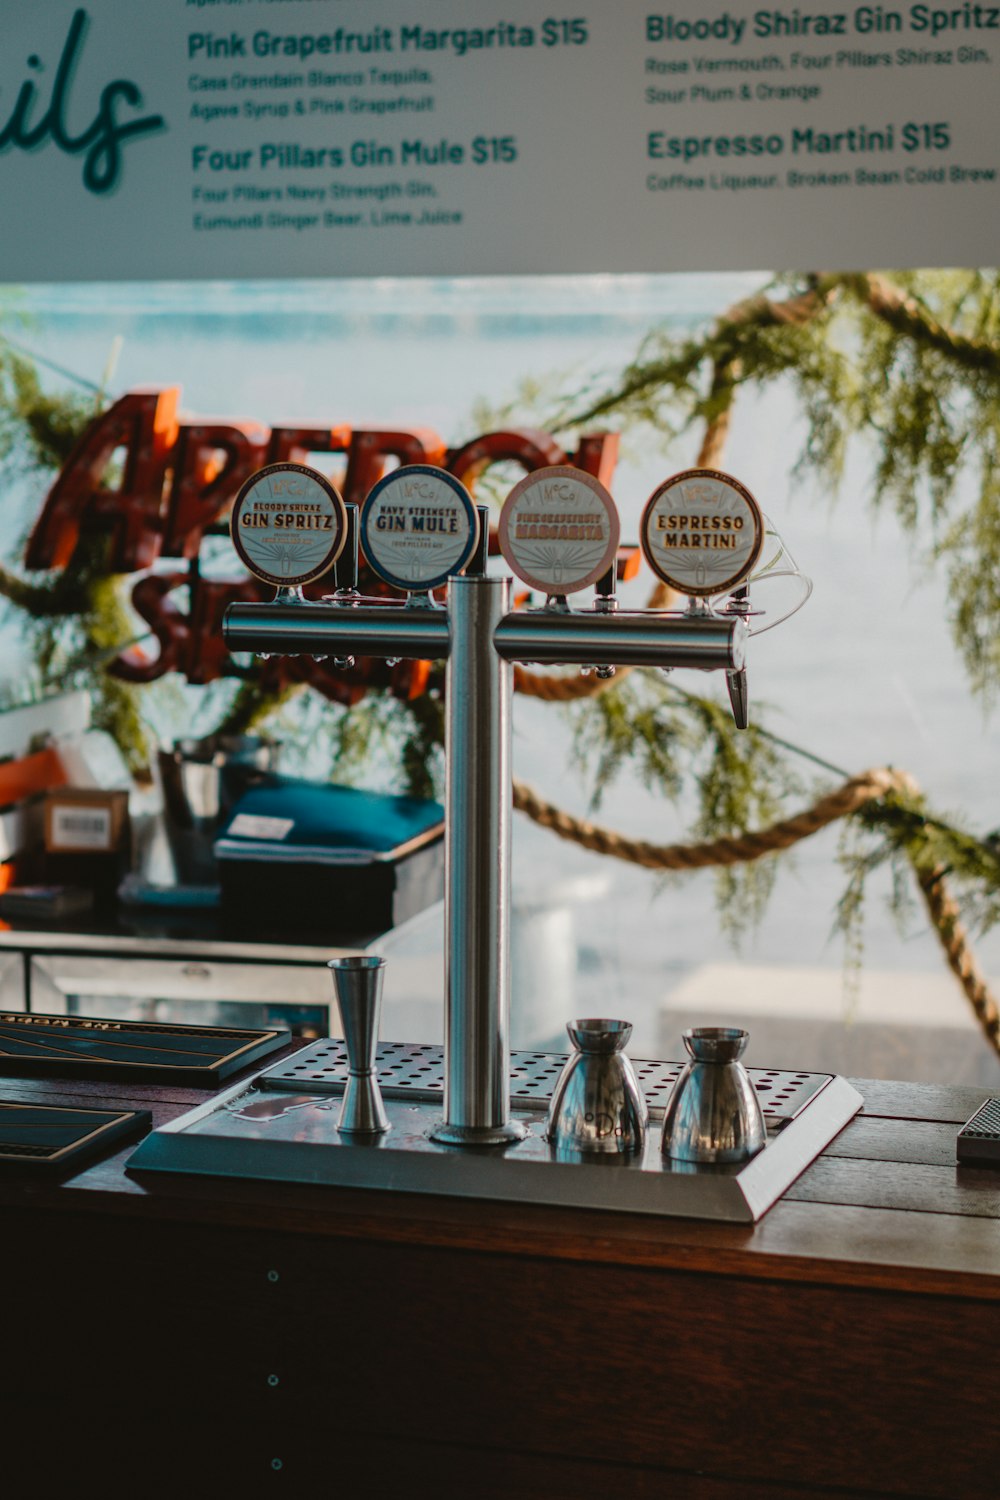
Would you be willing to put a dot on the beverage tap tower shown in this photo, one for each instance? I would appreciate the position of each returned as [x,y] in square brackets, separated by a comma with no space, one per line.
[702,533]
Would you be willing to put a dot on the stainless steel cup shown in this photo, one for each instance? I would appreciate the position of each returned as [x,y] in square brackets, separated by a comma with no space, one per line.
[357,981]
[597,1104]
[201,780]
[713,1114]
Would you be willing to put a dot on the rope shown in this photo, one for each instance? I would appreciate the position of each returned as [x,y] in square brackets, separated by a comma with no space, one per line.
[841,803]
[722,851]
[945,920]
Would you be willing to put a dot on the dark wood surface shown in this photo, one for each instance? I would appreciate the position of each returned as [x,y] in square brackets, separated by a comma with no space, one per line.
[289,1335]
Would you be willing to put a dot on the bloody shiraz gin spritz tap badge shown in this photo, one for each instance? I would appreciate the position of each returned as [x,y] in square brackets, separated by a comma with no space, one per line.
[702,532]
[559,530]
[288,524]
[419,527]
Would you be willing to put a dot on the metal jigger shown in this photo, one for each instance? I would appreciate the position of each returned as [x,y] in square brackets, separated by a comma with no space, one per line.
[357,980]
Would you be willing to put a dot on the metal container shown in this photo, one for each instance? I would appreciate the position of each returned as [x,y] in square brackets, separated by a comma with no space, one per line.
[713,1114]
[597,1104]
[201,780]
[357,982]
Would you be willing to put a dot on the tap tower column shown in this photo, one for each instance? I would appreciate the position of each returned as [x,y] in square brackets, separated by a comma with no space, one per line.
[477,870]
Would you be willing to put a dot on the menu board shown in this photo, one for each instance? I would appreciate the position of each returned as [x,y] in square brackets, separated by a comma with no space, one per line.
[230,138]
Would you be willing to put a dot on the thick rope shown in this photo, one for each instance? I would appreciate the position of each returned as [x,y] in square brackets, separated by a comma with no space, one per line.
[847,799]
[722,851]
[946,921]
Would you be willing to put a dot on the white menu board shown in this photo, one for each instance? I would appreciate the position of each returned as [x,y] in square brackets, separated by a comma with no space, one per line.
[230,138]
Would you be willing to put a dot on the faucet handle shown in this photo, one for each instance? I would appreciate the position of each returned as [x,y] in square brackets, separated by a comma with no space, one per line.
[606,600]
[739,697]
[345,569]
[282,501]
[476,566]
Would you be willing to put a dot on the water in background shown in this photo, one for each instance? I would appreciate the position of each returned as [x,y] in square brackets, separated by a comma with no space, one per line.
[865,675]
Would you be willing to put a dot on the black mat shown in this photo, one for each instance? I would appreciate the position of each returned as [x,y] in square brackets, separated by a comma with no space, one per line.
[83,1047]
[48,1138]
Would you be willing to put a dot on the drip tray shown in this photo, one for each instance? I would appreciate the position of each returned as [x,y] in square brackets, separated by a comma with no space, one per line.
[408,1070]
[282,1127]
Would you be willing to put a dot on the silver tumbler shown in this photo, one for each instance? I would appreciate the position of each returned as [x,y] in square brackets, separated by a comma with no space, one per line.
[713,1114]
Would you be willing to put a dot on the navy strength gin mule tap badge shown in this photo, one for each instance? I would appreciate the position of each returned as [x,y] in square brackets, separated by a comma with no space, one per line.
[419,527]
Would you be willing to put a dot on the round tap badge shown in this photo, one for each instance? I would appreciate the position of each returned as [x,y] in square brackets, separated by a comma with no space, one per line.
[288,524]
[702,532]
[418,527]
[559,530]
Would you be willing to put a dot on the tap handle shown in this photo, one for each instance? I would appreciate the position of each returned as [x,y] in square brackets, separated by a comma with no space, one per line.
[739,697]
[604,588]
[345,569]
[476,566]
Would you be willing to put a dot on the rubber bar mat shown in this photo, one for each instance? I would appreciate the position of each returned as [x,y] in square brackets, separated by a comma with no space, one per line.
[48,1138]
[85,1047]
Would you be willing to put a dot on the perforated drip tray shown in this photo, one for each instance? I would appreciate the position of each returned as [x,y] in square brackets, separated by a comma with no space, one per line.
[408,1070]
[282,1127]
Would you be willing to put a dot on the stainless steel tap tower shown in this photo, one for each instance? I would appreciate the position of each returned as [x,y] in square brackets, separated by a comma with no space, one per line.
[480,636]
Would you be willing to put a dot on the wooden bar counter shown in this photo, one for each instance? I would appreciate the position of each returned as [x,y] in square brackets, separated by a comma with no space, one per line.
[203,1336]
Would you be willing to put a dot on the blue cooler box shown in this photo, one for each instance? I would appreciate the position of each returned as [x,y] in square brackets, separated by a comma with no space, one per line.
[329,859]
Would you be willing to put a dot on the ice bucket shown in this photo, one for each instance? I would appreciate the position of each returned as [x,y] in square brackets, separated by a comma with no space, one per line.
[201,781]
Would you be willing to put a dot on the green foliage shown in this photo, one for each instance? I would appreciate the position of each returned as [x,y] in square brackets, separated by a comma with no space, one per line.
[422,756]
[908,368]
[252,706]
[407,738]
[682,745]
[75,619]
[902,832]
[38,427]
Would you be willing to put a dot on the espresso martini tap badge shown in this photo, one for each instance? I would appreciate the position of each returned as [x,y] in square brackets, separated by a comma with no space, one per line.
[419,527]
[288,526]
[702,532]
